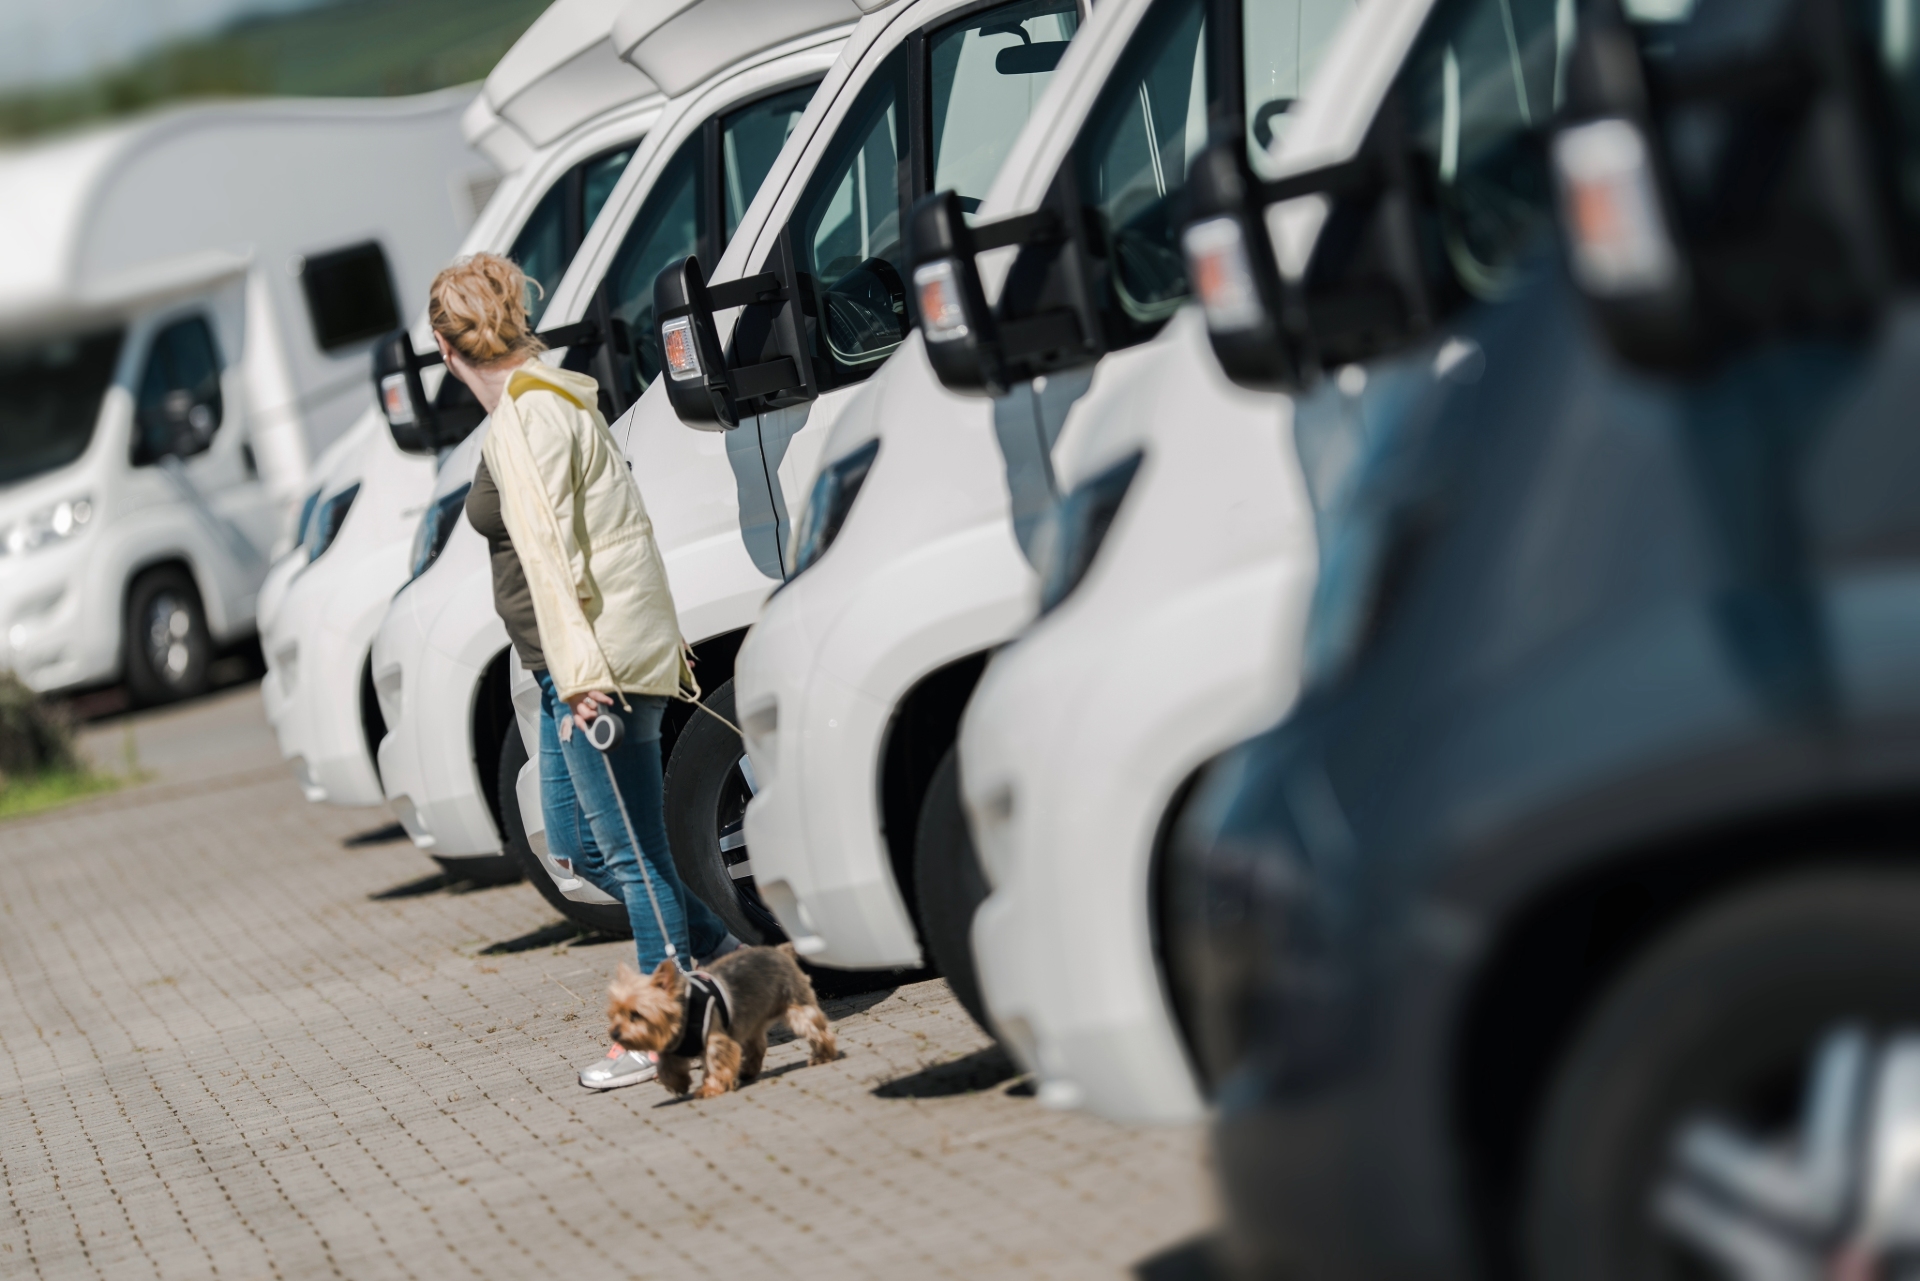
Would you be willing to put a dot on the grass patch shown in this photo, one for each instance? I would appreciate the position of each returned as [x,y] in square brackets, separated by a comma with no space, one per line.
[20,796]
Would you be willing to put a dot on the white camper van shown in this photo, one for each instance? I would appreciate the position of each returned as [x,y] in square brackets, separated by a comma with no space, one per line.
[561,114]
[186,306]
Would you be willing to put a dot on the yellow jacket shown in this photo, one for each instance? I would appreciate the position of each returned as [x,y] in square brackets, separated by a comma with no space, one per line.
[578,524]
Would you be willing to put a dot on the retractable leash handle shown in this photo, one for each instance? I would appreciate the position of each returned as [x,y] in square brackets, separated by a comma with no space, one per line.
[604,733]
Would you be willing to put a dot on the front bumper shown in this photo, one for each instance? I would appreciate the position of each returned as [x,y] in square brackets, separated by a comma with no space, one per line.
[1077,741]
[58,628]
[818,683]
[819,859]
[316,653]
[427,692]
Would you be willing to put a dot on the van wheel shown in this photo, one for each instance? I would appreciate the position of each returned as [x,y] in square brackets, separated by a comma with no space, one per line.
[1718,1116]
[709,783]
[601,918]
[950,885]
[167,645]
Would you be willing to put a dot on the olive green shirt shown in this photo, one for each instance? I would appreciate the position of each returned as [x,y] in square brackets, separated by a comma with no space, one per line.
[512,598]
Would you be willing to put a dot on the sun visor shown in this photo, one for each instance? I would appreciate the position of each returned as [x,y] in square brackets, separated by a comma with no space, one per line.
[563,71]
[680,43]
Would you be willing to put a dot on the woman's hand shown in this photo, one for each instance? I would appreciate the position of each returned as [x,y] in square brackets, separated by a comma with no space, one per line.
[588,705]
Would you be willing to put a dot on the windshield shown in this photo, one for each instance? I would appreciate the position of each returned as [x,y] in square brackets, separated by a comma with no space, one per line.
[50,393]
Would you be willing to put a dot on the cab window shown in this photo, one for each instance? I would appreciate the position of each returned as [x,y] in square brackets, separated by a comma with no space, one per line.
[50,394]
[1482,79]
[554,230]
[983,75]
[1283,44]
[179,407]
[694,208]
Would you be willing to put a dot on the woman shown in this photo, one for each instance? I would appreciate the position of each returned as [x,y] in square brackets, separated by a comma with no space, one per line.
[579,582]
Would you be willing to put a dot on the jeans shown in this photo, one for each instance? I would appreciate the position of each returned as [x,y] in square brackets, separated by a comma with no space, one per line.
[574,785]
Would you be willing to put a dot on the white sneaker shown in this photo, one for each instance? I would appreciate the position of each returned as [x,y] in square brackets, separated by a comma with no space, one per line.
[620,1067]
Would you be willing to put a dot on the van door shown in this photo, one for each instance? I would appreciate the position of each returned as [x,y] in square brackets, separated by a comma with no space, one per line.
[202,460]
[940,111]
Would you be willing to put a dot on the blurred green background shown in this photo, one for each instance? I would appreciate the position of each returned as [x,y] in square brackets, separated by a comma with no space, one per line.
[343,48]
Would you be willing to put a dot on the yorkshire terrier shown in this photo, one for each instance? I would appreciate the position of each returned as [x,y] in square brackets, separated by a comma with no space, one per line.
[735,1000]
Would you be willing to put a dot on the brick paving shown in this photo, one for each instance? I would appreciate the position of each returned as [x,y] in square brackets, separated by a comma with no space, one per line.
[232,1044]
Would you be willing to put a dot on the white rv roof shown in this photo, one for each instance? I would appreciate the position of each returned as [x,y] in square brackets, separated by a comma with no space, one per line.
[183,197]
[560,73]
[680,43]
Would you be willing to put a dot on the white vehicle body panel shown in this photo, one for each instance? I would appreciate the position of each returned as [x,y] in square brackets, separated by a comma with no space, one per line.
[204,212]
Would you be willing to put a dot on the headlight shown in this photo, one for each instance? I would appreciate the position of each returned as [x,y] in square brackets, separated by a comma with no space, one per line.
[327,520]
[827,506]
[435,528]
[45,527]
[1068,540]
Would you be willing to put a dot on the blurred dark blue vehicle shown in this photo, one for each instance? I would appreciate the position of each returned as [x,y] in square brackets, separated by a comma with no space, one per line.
[1570,928]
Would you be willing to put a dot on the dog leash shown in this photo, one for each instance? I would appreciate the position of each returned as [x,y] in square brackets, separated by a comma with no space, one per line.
[604,732]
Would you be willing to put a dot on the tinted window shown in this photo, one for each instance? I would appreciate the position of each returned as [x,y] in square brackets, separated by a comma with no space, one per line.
[1283,43]
[1148,126]
[666,230]
[553,231]
[1480,78]
[750,140]
[349,295]
[847,227]
[50,393]
[179,406]
[986,74]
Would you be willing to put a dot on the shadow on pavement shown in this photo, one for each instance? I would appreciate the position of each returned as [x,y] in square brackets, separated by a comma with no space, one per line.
[981,1070]
[391,834]
[1191,1260]
[550,936]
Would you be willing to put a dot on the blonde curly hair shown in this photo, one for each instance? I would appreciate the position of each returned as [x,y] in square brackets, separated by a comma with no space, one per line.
[479,305]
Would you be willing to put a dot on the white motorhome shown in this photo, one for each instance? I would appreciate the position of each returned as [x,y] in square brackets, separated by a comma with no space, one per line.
[186,306]
[561,114]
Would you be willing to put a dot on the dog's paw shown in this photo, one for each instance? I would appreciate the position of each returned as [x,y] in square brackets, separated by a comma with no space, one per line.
[710,1089]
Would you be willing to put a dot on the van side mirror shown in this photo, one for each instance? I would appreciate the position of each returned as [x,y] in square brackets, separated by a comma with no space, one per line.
[412,419]
[765,366]
[423,425]
[1309,272]
[1679,262]
[180,424]
[972,347]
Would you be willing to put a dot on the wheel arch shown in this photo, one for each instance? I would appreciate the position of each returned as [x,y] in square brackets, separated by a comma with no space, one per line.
[925,723]
[491,718]
[713,667]
[1571,937]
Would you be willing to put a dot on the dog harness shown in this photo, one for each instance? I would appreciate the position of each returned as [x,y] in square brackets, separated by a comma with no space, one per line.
[706,1000]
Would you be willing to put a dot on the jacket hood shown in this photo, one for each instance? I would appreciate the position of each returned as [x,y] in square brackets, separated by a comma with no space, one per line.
[581,387]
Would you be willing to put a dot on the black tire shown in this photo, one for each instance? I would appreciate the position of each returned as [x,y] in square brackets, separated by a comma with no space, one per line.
[950,885]
[1717,1024]
[602,918]
[707,794]
[166,646]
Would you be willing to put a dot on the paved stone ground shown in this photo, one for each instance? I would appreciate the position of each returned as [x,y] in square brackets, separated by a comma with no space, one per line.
[234,1043]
